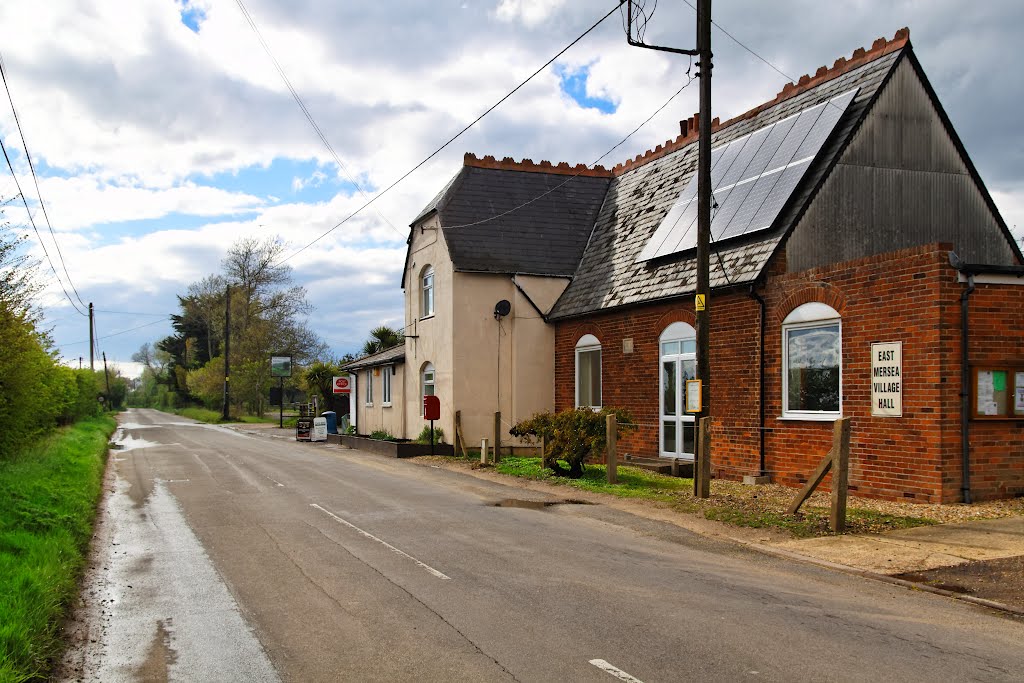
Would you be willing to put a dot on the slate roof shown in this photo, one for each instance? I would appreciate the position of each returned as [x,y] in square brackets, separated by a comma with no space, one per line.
[645,189]
[394,355]
[502,217]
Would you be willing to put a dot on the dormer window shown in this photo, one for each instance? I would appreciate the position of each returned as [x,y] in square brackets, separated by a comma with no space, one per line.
[427,297]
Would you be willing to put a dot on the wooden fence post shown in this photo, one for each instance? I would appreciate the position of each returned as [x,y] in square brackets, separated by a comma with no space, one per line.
[483,451]
[704,461]
[457,441]
[611,438]
[840,473]
[497,437]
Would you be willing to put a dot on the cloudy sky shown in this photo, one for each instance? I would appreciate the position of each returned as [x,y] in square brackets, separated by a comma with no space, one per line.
[162,132]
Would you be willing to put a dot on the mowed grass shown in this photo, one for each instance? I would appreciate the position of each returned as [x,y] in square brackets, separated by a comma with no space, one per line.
[633,482]
[730,502]
[48,502]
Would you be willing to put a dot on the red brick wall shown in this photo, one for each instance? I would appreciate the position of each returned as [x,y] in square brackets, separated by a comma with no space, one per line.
[996,337]
[910,296]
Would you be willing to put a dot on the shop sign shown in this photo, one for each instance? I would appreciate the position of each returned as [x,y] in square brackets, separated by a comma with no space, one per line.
[342,385]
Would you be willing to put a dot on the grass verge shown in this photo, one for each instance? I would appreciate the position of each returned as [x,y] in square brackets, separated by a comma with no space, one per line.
[48,498]
[730,502]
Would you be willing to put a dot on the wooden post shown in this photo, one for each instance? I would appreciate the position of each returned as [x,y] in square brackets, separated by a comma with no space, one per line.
[675,467]
[840,473]
[704,462]
[483,451]
[612,444]
[497,437]
[457,445]
[543,450]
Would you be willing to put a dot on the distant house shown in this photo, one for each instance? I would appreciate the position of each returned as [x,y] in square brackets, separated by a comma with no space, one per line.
[855,248]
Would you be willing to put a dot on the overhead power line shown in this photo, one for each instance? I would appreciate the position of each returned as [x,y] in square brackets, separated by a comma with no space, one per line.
[594,163]
[113,334]
[35,180]
[457,135]
[305,110]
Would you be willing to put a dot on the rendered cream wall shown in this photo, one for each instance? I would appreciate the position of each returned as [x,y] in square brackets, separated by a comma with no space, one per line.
[429,339]
[380,416]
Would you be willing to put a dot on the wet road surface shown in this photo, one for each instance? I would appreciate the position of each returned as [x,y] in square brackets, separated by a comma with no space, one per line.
[226,557]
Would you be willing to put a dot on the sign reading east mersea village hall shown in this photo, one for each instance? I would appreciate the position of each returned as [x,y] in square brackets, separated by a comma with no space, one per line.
[887,379]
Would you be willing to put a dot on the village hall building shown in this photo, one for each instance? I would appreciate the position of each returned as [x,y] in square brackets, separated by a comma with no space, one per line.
[859,268]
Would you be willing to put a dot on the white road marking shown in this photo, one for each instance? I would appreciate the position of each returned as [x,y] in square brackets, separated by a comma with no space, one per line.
[384,543]
[614,671]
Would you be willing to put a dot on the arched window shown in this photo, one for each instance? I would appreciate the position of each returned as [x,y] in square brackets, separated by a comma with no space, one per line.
[427,292]
[812,353]
[588,372]
[678,357]
[426,382]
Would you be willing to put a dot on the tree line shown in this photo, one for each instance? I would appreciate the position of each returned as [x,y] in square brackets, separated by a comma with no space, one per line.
[37,392]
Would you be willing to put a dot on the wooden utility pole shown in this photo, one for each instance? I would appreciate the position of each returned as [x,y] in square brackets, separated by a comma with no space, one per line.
[107,375]
[227,353]
[702,301]
[92,342]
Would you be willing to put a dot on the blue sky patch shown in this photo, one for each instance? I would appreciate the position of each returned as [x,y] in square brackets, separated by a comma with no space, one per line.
[279,180]
[574,84]
[192,16]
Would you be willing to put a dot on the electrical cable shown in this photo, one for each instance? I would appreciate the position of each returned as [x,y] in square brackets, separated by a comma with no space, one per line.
[96,337]
[38,236]
[305,110]
[457,135]
[577,174]
[35,179]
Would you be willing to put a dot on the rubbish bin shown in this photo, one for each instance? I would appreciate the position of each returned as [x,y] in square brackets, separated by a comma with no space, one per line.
[345,422]
[332,421]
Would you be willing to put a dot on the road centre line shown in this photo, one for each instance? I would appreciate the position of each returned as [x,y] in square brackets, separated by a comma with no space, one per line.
[384,543]
[614,671]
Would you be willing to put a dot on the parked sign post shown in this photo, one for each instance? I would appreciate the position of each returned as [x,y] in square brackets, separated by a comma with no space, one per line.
[281,367]
[431,411]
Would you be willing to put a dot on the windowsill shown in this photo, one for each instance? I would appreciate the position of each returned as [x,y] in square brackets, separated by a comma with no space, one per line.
[832,417]
[427,317]
[385,405]
[367,405]
[596,409]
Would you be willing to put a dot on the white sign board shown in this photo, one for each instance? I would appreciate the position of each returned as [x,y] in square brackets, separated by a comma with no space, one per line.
[319,429]
[887,379]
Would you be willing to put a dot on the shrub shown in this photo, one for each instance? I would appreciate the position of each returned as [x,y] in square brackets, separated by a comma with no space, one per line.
[572,435]
[424,436]
[382,435]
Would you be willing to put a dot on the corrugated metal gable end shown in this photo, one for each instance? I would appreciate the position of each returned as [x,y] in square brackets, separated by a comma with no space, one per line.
[639,199]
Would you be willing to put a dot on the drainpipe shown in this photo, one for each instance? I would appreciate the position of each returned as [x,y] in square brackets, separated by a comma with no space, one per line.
[965,394]
[760,382]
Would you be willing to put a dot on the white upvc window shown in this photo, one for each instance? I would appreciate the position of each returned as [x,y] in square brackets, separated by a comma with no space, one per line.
[588,372]
[385,392]
[812,363]
[426,382]
[427,290]
[369,386]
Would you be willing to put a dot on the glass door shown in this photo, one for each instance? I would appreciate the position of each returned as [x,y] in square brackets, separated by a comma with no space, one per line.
[677,428]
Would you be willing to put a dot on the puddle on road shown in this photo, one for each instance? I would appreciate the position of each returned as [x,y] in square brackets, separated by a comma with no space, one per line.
[159,611]
[127,442]
[160,657]
[537,504]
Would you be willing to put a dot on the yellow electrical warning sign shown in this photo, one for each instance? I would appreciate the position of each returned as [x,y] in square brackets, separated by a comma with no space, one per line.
[699,302]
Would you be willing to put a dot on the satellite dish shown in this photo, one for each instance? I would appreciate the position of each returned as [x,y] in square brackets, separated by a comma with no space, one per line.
[501,309]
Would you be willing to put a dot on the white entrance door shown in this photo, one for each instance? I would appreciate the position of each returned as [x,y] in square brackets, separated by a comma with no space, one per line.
[678,363]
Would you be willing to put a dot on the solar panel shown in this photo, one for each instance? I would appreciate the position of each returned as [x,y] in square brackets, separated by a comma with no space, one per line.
[752,178]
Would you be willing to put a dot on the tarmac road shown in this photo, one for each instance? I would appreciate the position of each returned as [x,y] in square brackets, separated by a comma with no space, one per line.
[223,556]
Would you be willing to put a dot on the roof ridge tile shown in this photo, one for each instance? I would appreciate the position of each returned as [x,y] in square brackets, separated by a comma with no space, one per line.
[879,48]
[527,165]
